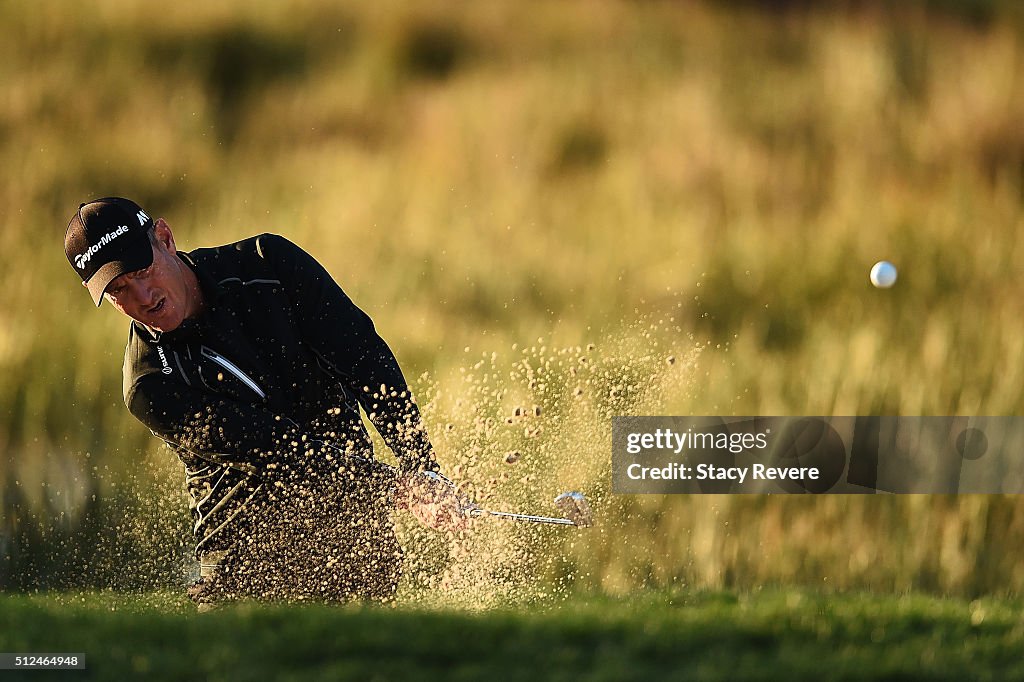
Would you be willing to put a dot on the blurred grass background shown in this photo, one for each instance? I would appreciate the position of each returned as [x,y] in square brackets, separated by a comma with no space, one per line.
[706,180]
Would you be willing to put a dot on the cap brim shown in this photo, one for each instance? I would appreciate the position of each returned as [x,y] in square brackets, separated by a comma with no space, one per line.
[108,272]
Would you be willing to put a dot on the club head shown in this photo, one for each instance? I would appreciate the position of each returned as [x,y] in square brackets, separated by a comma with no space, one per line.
[575,508]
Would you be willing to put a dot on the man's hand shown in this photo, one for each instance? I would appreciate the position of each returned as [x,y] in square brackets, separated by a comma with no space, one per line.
[434,500]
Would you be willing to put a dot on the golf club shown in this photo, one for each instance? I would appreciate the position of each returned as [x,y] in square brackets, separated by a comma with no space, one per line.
[572,504]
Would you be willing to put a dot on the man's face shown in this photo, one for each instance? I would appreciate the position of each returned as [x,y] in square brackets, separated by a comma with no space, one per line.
[157,296]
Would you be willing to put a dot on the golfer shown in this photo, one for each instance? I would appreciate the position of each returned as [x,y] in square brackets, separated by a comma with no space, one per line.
[252,364]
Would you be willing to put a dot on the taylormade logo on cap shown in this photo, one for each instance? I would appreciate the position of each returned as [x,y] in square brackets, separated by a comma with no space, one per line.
[83,258]
[102,242]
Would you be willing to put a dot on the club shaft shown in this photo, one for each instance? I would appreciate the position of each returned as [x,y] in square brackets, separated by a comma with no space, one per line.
[476,511]
[522,517]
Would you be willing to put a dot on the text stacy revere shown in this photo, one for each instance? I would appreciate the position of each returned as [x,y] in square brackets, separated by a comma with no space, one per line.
[711,472]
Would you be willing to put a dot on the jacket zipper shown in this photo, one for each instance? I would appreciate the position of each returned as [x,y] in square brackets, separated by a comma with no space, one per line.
[231,367]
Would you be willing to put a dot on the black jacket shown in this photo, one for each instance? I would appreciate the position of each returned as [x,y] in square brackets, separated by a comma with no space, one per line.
[251,391]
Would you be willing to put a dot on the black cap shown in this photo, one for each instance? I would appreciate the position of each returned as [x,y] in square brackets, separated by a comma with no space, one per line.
[105,239]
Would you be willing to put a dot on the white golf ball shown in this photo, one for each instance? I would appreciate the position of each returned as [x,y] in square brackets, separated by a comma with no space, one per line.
[883,274]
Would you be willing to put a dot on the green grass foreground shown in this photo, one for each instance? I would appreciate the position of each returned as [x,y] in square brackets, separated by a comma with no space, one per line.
[767,635]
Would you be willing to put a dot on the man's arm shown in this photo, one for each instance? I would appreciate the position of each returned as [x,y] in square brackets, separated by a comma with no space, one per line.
[344,338]
[241,435]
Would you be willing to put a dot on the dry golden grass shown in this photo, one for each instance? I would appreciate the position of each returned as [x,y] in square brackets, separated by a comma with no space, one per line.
[485,175]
